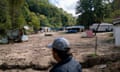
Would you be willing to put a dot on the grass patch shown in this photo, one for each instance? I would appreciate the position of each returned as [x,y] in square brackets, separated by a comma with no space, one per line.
[110,40]
[111,34]
[93,55]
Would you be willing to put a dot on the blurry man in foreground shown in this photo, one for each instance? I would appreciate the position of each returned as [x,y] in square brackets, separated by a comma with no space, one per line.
[61,53]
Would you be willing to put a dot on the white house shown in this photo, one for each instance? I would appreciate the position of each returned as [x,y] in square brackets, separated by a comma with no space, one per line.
[116,23]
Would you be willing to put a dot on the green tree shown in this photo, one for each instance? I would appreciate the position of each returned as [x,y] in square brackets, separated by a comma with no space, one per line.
[16,15]
[85,7]
[92,11]
[116,4]
[26,13]
[44,21]
[5,22]
[86,19]
[116,14]
[116,9]
[34,21]
[51,15]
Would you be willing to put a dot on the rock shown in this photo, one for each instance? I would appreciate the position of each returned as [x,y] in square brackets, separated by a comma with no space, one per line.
[102,66]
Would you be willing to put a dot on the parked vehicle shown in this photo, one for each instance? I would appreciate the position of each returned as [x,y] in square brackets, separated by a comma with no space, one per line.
[74,29]
[15,35]
[3,40]
[104,27]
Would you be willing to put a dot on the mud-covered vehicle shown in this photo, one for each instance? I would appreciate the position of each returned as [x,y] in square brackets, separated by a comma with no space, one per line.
[14,35]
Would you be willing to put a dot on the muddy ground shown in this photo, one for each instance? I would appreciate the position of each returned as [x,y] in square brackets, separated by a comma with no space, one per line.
[33,56]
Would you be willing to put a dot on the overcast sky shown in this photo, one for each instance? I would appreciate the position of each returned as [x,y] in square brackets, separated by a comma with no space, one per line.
[67,5]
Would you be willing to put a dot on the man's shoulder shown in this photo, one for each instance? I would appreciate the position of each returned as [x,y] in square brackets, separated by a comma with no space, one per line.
[70,66]
[73,62]
[58,69]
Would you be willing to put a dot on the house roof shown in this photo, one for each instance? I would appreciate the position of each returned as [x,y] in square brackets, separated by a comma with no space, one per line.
[116,21]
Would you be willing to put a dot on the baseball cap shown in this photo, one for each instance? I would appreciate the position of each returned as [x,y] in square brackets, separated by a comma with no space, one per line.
[60,44]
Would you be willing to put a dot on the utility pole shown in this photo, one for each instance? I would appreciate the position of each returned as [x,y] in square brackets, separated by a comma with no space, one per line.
[96,38]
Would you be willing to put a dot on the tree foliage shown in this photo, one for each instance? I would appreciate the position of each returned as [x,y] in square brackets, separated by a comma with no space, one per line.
[14,14]
[116,4]
[115,9]
[53,16]
[34,21]
[5,22]
[17,19]
[92,11]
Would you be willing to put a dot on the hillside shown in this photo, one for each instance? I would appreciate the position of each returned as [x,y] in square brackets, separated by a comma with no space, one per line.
[34,13]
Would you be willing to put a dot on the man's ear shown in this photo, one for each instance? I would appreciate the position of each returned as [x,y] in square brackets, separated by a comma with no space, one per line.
[55,53]
[56,57]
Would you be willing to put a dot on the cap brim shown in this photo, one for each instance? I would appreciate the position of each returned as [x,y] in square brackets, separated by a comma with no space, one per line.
[49,46]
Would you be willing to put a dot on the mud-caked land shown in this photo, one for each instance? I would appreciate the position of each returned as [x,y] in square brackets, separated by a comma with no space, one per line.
[34,56]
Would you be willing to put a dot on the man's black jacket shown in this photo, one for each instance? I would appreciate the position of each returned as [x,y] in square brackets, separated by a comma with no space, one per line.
[68,65]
